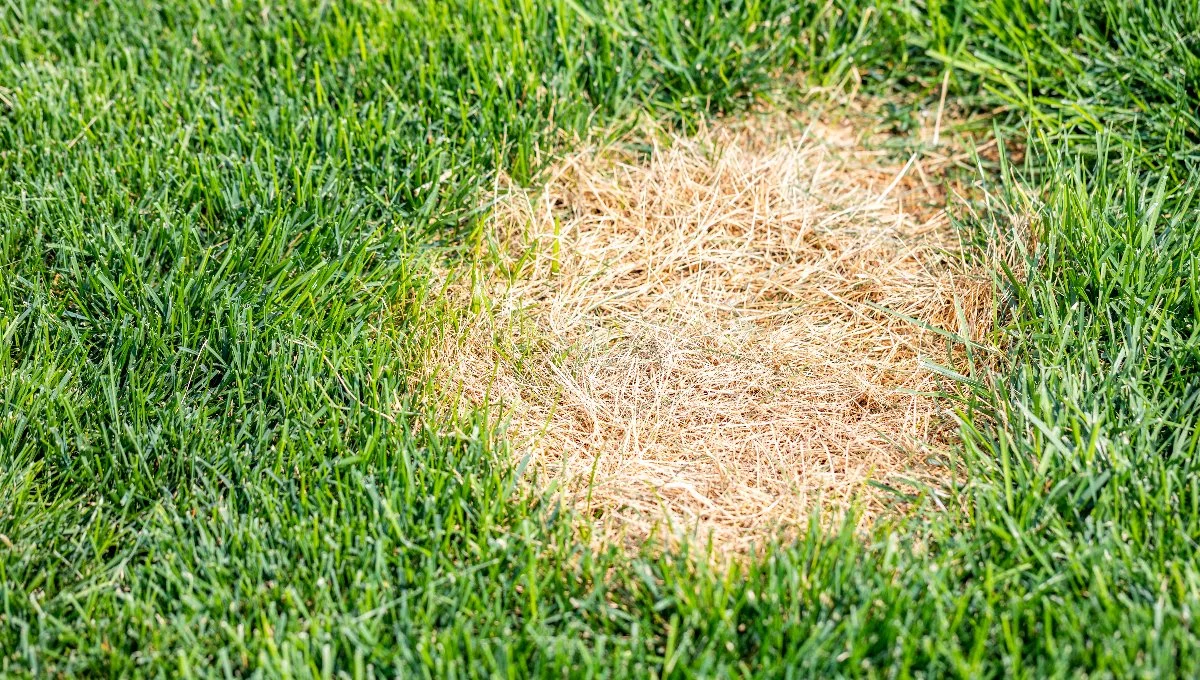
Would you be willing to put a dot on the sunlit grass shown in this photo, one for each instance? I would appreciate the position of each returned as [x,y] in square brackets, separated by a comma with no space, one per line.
[216,226]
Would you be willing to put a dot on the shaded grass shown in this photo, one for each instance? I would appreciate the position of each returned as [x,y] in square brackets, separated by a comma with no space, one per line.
[214,223]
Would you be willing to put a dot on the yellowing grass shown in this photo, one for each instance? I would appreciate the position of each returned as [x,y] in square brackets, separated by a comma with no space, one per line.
[714,333]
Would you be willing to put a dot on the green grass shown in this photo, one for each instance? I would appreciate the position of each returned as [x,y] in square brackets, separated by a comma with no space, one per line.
[216,222]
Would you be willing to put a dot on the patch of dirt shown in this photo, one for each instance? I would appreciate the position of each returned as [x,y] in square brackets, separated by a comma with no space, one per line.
[724,333]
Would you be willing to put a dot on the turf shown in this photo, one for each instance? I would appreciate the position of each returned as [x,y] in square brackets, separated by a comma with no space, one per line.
[216,223]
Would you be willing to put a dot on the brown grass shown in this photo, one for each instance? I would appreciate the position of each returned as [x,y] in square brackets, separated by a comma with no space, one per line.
[711,334]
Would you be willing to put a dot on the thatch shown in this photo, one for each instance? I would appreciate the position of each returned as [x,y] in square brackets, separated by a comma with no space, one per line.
[719,332]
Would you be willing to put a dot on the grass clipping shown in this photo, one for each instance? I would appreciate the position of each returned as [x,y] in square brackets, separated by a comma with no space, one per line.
[716,336]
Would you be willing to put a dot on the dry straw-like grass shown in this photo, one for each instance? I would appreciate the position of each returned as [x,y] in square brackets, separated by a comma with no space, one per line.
[711,337]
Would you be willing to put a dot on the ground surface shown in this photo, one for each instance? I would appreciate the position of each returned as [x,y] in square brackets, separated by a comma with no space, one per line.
[738,330]
[220,456]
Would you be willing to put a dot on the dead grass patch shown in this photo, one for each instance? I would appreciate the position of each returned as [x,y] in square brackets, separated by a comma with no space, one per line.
[723,333]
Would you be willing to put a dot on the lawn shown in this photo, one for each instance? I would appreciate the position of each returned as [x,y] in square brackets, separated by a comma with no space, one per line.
[220,230]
